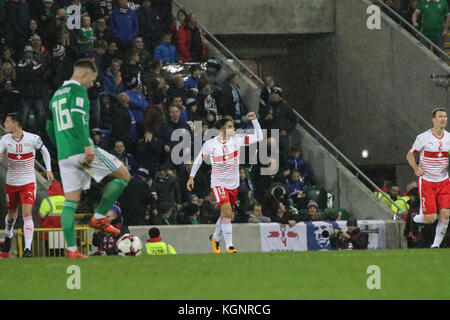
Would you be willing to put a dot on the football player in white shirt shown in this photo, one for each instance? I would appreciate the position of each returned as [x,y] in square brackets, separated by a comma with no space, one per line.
[434,185]
[223,151]
[21,178]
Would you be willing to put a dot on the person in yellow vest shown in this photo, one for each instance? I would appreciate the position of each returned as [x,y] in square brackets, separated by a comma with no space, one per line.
[50,215]
[155,246]
[393,191]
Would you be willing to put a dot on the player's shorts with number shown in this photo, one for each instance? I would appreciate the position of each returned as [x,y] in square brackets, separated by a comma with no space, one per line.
[76,173]
[224,195]
[17,194]
[434,196]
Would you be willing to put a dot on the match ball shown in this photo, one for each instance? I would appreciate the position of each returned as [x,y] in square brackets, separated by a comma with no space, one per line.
[129,246]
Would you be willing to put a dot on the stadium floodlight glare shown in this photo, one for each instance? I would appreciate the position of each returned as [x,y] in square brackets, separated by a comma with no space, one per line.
[365,154]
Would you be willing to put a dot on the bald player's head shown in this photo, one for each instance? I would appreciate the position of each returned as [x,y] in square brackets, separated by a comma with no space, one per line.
[85,72]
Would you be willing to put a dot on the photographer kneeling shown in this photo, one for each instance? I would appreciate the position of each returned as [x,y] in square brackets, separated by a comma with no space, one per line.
[352,239]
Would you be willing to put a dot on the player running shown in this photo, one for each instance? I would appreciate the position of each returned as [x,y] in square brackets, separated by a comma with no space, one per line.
[434,185]
[223,151]
[78,159]
[21,147]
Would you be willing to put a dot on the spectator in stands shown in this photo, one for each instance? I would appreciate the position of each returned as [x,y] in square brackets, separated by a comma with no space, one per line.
[180,21]
[61,67]
[124,24]
[7,56]
[112,53]
[214,75]
[46,12]
[155,246]
[33,29]
[152,71]
[53,28]
[107,113]
[112,80]
[205,100]
[97,139]
[167,190]
[150,25]
[85,35]
[210,210]
[31,76]
[144,55]
[211,118]
[71,48]
[390,4]
[313,213]
[101,31]
[163,216]
[9,92]
[177,88]
[124,125]
[136,200]
[435,20]
[183,42]
[230,102]
[273,195]
[178,102]
[197,48]
[150,152]
[132,68]
[127,158]
[295,183]
[106,242]
[154,115]
[193,113]
[174,122]
[50,214]
[296,162]
[138,104]
[245,183]
[17,21]
[194,78]
[166,51]
[409,11]
[191,214]
[411,229]
[266,93]
[43,56]
[256,215]
[283,216]
[202,182]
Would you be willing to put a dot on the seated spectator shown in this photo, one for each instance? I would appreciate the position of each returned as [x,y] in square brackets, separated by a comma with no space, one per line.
[154,115]
[106,242]
[112,80]
[177,88]
[9,92]
[136,200]
[178,102]
[256,215]
[124,24]
[283,216]
[295,183]
[127,158]
[274,194]
[166,51]
[97,139]
[124,127]
[313,213]
[46,13]
[191,214]
[296,162]
[192,81]
[150,152]
[214,75]
[138,104]
[101,31]
[155,246]
[154,69]
[230,102]
[151,27]
[85,35]
[334,216]
[164,215]
[197,48]
[193,114]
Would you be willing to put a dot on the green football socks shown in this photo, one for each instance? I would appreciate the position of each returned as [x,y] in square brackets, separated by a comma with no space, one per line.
[112,192]
[68,222]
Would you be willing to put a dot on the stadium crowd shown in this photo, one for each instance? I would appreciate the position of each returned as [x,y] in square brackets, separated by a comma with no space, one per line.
[137,102]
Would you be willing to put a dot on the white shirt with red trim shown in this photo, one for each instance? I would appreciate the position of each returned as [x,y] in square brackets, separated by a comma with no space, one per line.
[21,155]
[224,156]
[433,155]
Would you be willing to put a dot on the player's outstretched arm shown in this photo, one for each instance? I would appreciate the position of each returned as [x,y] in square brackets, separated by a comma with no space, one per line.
[258,135]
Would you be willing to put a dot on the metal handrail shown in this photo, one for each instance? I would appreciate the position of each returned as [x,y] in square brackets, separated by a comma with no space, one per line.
[421,35]
[359,172]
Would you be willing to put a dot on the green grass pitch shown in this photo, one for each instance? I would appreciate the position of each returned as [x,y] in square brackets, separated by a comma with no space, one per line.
[405,274]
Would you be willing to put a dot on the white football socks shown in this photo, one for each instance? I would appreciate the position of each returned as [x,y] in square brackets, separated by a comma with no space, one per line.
[419,218]
[28,227]
[227,232]
[218,231]
[441,231]
[9,230]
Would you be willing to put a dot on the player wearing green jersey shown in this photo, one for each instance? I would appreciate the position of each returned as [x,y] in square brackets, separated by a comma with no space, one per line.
[78,159]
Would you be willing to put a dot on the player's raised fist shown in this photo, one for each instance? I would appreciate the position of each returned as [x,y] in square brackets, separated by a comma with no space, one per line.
[251,116]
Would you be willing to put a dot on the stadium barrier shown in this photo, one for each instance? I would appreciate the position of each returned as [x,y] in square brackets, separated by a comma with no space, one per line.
[49,242]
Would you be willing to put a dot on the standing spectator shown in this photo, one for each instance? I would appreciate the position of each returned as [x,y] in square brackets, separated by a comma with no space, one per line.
[97,139]
[112,53]
[167,191]
[180,21]
[127,159]
[132,67]
[112,80]
[150,152]
[17,21]
[191,214]
[53,27]
[33,29]
[6,56]
[138,104]
[150,25]
[155,246]
[154,115]
[177,88]
[435,20]
[193,113]
[230,102]
[70,46]
[144,55]
[46,13]
[197,48]
[214,75]
[183,42]
[9,92]
[124,24]
[256,215]
[61,67]
[266,93]
[205,100]
[101,31]
[106,242]
[136,199]
[30,75]
[85,35]
[192,81]
[124,125]
[166,51]
[296,162]
[163,216]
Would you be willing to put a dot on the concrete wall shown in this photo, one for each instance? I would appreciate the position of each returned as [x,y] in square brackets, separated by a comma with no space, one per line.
[263,16]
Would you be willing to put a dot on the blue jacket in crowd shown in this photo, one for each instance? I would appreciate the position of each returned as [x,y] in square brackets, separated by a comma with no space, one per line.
[166,52]
[138,104]
[124,25]
[108,85]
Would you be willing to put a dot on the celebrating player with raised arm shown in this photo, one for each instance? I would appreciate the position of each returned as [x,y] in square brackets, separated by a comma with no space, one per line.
[434,185]
[21,178]
[223,151]
[78,159]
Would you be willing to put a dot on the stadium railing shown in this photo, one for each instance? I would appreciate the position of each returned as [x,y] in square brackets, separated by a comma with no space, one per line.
[49,242]
[317,135]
